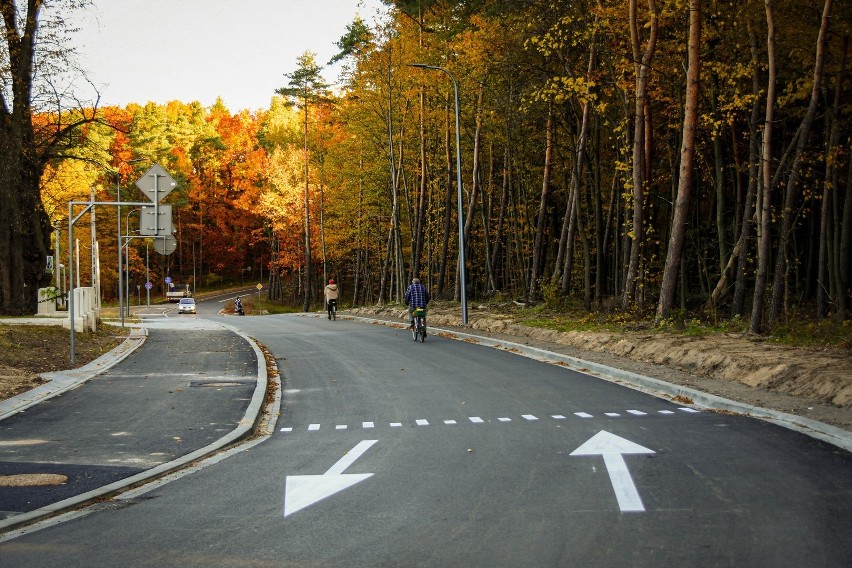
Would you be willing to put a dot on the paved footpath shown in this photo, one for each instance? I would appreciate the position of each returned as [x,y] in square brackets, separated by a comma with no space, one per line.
[172,393]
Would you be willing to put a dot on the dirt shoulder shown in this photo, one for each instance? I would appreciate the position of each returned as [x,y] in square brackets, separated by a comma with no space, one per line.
[812,383]
[27,351]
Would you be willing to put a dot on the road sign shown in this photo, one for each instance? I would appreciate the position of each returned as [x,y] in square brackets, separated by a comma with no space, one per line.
[156,183]
[156,221]
[304,490]
[165,245]
[148,285]
[259,287]
[168,279]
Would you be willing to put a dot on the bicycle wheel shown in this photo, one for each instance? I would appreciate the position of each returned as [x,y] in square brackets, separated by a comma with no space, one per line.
[422,331]
[414,330]
[334,313]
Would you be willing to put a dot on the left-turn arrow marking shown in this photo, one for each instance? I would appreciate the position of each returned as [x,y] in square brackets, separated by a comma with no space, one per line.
[304,490]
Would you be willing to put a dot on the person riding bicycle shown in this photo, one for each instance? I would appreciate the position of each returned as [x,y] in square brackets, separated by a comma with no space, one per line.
[416,296]
[238,306]
[331,294]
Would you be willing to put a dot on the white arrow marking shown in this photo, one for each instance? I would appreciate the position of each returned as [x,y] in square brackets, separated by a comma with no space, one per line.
[612,447]
[304,490]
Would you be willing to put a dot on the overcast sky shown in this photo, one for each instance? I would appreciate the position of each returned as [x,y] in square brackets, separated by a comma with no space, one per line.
[198,50]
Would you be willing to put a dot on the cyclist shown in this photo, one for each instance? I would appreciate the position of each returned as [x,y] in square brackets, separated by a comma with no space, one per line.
[331,293]
[416,296]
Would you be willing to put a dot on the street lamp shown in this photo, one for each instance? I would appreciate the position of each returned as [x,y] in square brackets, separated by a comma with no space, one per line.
[127,246]
[459,184]
[118,223]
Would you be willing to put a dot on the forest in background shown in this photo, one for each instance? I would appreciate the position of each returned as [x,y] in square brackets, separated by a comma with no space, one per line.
[685,155]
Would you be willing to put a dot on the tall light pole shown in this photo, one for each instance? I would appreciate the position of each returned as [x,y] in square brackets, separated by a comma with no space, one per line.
[118,223]
[463,291]
[126,246]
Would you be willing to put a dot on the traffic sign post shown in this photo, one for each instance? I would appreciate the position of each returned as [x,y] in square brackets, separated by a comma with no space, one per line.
[156,183]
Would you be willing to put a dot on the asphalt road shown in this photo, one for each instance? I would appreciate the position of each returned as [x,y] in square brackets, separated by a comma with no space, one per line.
[394,453]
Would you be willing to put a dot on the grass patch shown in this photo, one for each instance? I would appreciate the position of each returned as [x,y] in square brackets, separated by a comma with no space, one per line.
[41,348]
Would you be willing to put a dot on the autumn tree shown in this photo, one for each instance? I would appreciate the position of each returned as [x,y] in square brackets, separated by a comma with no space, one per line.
[306,88]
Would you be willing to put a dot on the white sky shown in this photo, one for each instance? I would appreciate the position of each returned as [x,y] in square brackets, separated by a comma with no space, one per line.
[135,51]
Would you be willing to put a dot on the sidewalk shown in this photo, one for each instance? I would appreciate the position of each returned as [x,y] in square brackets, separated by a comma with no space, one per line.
[171,394]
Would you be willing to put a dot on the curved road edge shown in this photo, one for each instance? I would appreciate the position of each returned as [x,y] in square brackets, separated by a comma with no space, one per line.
[247,426]
[819,430]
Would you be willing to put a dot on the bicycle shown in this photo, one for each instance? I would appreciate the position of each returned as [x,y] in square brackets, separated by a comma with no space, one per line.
[332,310]
[418,329]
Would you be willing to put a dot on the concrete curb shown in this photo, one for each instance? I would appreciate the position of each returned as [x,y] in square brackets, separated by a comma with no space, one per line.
[825,432]
[246,427]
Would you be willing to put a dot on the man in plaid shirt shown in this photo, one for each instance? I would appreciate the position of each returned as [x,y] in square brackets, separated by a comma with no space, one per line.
[416,296]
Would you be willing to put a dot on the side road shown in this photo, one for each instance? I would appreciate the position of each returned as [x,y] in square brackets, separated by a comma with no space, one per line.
[171,394]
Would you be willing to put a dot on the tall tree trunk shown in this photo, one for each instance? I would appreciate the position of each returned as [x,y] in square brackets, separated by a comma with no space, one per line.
[829,196]
[687,155]
[24,226]
[540,227]
[642,69]
[306,302]
[780,283]
[844,299]
[737,304]
[448,204]
[765,244]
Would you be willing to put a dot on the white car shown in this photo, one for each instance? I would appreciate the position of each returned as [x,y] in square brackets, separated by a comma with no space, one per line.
[186,306]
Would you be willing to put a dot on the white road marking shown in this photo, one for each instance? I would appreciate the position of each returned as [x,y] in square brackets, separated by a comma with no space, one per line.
[478,420]
[612,448]
[304,490]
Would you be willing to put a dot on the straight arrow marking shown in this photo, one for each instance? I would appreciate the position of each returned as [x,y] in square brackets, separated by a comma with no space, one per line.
[611,448]
[304,490]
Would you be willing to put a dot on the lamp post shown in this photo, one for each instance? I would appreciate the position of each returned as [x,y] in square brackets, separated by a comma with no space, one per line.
[463,291]
[118,223]
[127,268]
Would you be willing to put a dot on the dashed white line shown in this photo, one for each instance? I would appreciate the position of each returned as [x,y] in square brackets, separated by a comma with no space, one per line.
[313,427]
